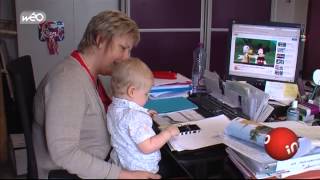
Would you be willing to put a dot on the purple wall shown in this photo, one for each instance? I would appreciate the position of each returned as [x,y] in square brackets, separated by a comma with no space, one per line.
[166,13]
[312,54]
[173,51]
[224,11]
[167,51]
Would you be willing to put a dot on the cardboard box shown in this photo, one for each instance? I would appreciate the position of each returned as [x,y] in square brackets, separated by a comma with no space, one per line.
[18,153]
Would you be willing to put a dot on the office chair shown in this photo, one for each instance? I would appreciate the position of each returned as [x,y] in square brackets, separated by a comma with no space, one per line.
[21,74]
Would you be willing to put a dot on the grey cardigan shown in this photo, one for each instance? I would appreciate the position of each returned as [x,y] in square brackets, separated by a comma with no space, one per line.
[70,129]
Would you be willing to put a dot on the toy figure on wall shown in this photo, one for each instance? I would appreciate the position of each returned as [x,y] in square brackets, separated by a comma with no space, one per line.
[52,32]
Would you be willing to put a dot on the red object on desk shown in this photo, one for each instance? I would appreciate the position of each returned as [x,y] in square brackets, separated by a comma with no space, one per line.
[164,74]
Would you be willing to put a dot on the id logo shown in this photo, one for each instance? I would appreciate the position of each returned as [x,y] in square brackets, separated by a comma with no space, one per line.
[32,17]
[281,143]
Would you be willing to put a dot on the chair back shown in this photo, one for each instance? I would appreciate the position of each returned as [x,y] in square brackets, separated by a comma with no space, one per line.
[22,78]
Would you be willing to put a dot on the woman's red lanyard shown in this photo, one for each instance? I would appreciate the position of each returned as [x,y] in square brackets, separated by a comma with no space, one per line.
[102,93]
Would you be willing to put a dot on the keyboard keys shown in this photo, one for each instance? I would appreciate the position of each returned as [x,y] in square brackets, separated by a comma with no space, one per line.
[216,107]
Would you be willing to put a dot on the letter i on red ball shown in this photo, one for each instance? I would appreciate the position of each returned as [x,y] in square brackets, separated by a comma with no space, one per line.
[281,143]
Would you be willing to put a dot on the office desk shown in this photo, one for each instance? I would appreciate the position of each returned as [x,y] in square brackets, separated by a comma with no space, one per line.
[206,162]
[212,162]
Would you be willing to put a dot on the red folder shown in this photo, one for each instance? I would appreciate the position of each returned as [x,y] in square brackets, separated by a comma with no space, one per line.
[165,74]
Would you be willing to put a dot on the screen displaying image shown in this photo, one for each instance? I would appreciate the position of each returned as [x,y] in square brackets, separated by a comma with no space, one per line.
[264,52]
[255,51]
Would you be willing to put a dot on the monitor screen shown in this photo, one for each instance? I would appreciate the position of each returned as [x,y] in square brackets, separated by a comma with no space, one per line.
[265,52]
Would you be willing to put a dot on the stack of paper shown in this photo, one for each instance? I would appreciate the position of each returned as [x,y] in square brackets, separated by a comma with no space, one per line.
[246,149]
[254,102]
[167,88]
[284,93]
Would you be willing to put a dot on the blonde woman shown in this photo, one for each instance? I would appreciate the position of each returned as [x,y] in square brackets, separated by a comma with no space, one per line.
[70,128]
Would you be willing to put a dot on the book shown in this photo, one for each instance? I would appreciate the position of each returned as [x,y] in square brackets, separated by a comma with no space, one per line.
[173,88]
[169,105]
[248,130]
[179,80]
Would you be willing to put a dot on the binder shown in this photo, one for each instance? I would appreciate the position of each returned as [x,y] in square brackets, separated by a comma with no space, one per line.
[168,105]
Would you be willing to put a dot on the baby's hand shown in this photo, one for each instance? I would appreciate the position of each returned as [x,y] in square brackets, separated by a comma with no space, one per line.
[152,113]
[173,130]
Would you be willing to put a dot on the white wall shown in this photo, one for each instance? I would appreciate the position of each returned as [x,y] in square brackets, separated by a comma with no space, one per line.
[74,13]
[291,11]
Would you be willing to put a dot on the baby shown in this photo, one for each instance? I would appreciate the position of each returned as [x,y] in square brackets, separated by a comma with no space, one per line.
[136,146]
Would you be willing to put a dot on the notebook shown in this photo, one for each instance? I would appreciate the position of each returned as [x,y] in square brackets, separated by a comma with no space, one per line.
[168,105]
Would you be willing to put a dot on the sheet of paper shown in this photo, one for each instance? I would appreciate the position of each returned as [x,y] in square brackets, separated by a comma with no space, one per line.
[283,92]
[190,115]
[177,117]
[299,163]
[210,134]
[248,149]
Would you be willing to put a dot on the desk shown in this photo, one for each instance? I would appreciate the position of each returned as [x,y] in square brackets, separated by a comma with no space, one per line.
[212,162]
[206,162]
[203,163]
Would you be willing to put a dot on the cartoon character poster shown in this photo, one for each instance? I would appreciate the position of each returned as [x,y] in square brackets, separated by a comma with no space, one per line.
[51,32]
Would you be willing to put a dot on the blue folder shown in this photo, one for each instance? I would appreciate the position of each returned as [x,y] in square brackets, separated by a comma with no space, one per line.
[168,105]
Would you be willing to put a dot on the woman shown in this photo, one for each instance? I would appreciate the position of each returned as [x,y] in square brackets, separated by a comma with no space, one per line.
[70,130]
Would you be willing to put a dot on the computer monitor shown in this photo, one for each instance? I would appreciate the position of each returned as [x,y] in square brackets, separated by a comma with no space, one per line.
[260,52]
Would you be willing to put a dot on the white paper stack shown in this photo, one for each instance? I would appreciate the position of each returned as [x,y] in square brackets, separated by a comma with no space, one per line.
[248,153]
[254,102]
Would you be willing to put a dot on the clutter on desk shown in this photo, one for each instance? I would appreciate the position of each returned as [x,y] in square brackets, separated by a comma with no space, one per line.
[251,158]
[210,134]
[282,92]
[293,112]
[307,109]
[248,130]
[165,120]
[253,101]
[170,87]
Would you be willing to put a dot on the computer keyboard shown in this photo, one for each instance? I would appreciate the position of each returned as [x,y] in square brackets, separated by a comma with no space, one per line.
[215,107]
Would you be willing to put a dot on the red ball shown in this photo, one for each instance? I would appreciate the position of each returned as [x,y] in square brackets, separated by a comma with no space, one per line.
[281,143]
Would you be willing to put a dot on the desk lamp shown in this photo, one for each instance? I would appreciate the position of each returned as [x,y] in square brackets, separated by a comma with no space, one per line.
[316,80]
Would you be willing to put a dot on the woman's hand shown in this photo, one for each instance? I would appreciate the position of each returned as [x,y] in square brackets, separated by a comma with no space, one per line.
[138,175]
[152,113]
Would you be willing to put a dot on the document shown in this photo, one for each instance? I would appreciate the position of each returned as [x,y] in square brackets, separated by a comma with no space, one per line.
[177,117]
[282,92]
[211,130]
